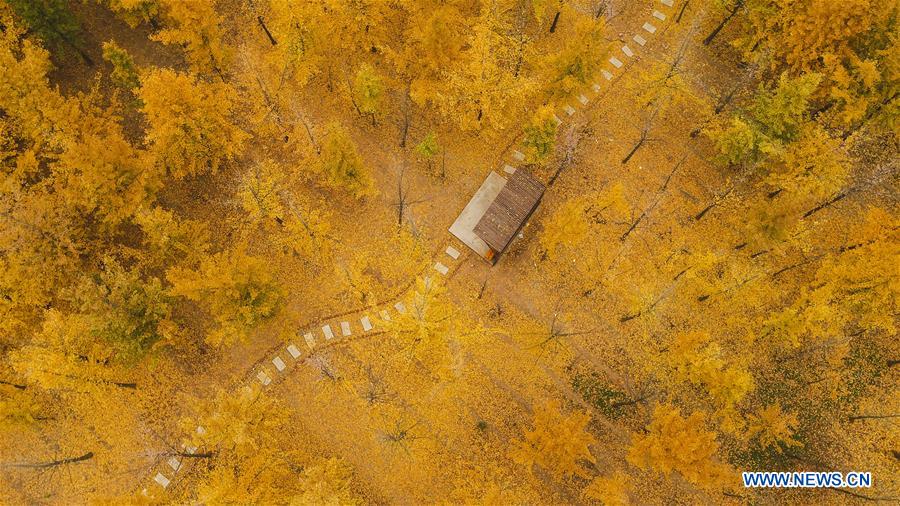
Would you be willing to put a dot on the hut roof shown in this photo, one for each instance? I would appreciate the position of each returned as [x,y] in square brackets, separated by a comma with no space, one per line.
[510,210]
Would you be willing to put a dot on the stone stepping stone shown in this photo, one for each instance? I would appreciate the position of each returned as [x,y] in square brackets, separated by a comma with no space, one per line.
[278,363]
[327,331]
[596,88]
[162,480]
[640,40]
[385,315]
[628,52]
[400,307]
[569,110]
[263,378]
[452,252]
[174,463]
[558,121]
[366,323]
[606,75]
[509,169]
[293,351]
[583,99]
[310,340]
[443,269]
[200,430]
[345,328]
[659,15]
[667,3]
[616,62]
[518,155]
[650,28]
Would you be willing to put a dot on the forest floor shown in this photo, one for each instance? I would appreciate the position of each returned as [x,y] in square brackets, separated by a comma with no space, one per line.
[511,295]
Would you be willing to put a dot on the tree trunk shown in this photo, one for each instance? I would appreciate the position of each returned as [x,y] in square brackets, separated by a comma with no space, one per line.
[555,21]
[681,12]
[828,203]
[699,216]
[404,129]
[53,463]
[871,417]
[266,29]
[14,385]
[634,149]
[709,38]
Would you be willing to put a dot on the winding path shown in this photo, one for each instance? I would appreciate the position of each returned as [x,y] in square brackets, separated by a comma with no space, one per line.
[365,322]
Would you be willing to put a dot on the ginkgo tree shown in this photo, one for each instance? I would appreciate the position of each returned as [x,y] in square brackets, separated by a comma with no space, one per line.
[238,290]
[557,443]
[673,443]
[193,130]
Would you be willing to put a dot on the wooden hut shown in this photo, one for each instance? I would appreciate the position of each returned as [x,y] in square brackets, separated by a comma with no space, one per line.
[497,211]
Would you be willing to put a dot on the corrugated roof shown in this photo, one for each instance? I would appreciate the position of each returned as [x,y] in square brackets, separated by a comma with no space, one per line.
[510,209]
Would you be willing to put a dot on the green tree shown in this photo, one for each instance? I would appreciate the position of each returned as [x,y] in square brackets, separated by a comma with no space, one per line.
[368,91]
[238,290]
[342,165]
[54,22]
[540,134]
[124,74]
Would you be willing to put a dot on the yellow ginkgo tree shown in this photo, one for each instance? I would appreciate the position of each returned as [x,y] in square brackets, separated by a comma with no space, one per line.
[557,442]
[193,130]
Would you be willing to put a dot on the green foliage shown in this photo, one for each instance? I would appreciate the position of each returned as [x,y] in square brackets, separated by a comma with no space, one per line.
[128,312]
[781,111]
[341,164]
[51,20]
[775,118]
[124,74]
[428,147]
[238,290]
[368,90]
[737,142]
[594,390]
[540,134]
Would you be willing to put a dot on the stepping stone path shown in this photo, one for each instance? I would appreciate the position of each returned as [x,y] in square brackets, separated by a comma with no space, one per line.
[161,479]
[452,252]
